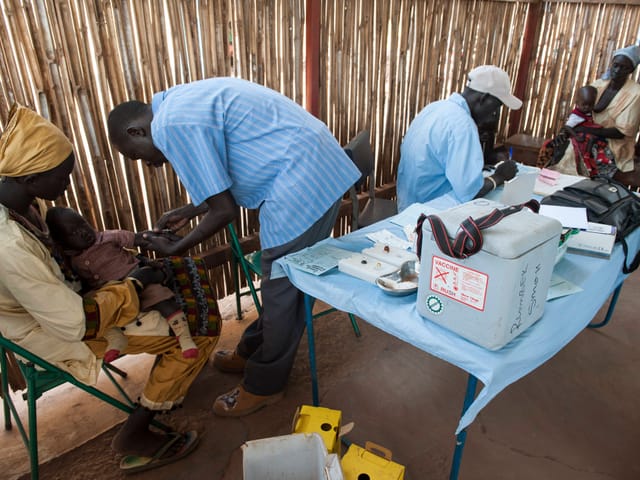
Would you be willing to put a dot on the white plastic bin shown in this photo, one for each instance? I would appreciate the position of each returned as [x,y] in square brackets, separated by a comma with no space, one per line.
[299,456]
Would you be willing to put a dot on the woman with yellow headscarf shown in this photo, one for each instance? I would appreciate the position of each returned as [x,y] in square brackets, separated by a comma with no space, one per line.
[41,313]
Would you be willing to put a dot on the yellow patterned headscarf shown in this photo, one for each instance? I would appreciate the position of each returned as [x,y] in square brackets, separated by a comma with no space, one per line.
[31,144]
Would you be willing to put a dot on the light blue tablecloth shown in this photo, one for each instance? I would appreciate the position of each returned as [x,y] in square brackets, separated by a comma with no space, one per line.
[563,319]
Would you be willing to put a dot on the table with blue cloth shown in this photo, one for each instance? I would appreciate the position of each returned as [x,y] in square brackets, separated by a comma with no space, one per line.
[599,279]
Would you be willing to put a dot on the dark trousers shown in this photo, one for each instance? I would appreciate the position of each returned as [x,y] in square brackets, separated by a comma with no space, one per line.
[270,343]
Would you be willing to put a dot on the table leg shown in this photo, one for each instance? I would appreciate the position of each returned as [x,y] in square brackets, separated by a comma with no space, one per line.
[308,316]
[612,307]
[469,395]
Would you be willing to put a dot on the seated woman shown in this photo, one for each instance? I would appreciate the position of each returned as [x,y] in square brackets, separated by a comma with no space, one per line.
[617,110]
[42,314]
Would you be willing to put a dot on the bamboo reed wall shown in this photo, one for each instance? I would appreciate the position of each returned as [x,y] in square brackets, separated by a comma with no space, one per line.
[384,64]
[381,62]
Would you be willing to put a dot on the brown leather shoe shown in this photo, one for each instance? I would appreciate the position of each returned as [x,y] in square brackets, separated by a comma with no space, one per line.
[229,361]
[239,402]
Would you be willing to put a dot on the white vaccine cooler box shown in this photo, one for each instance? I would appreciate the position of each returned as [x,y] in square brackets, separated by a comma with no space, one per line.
[492,296]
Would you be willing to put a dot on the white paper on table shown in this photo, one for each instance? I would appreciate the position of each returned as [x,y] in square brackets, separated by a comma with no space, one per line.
[412,236]
[570,217]
[317,259]
[410,215]
[601,228]
[560,287]
[519,189]
[388,238]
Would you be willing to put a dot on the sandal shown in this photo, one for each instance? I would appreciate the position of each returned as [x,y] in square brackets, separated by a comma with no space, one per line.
[177,446]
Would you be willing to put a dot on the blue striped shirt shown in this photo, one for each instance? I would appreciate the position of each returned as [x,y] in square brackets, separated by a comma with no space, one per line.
[440,155]
[230,134]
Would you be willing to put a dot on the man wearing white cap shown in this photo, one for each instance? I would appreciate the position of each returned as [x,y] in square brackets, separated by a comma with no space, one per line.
[441,152]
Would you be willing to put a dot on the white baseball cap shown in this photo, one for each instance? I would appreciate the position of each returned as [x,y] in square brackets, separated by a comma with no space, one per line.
[494,81]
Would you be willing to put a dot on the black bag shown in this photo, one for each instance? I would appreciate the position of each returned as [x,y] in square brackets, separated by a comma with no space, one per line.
[606,201]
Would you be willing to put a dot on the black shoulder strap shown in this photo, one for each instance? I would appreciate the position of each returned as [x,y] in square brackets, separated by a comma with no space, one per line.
[469,240]
[634,264]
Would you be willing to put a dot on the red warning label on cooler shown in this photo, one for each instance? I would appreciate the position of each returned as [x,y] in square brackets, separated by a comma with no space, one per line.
[459,283]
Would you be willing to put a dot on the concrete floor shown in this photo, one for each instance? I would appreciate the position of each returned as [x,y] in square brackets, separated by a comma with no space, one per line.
[575,417]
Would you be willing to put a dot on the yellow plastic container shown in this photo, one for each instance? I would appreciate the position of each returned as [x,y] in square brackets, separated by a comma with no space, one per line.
[323,421]
[362,463]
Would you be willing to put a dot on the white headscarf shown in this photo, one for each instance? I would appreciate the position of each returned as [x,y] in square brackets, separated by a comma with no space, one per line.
[632,52]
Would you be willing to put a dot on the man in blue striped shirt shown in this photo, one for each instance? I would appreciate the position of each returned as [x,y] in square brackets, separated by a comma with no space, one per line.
[233,142]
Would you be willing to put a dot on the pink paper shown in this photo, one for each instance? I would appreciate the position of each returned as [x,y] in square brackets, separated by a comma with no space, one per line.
[545,172]
[548,176]
[548,181]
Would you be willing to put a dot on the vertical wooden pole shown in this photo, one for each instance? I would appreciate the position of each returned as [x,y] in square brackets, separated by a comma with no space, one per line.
[312,22]
[528,45]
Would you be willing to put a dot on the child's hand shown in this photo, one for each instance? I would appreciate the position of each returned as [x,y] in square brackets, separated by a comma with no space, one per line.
[164,244]
[143,238]
[149,262]
[568,132]
[139,240]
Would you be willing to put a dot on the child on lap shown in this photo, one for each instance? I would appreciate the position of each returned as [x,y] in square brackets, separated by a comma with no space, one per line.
[591,155]
[100,257]
[593,149]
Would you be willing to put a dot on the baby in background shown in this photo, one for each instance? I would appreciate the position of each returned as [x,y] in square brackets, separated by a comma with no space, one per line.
[593,149]
[100,257]
[583,108]
[589,153]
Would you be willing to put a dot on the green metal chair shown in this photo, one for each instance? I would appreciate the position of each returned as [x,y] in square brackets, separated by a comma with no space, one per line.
[41,376]
[249,264]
